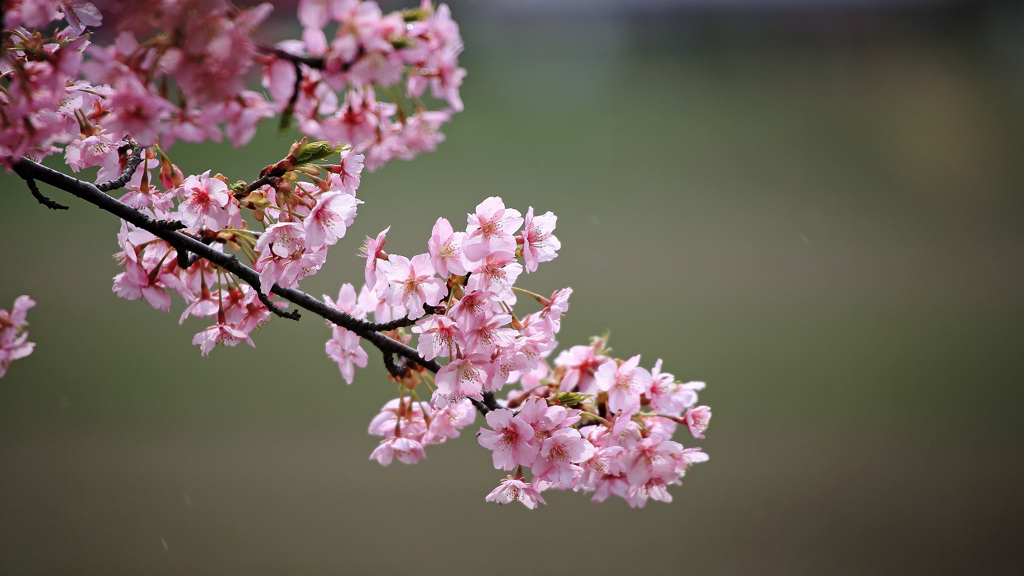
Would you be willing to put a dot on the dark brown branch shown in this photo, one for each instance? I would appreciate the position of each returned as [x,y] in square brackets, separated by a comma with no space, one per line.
[266,180]
[392,325]
[487,405]
[28,169]
[397,372]
[289,314]
[126,175]
[311,61]
[39,195]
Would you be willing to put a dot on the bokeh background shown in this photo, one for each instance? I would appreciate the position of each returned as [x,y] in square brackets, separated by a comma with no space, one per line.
[816,208]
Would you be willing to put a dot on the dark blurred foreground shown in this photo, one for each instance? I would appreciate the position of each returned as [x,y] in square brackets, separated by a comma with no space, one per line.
[819,214]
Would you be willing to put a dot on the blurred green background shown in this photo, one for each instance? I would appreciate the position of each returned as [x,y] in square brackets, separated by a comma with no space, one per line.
[816,212]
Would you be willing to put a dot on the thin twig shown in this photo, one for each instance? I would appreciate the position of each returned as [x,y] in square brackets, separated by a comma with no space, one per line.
[126,175]
[39,195]
[311,61]
[289,314]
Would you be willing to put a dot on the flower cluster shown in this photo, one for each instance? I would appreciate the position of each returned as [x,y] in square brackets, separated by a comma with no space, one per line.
[596,424]
[585,422]
[177,71]
[398,53]
[14,343]
[408,425]
[300,221]
[460,295]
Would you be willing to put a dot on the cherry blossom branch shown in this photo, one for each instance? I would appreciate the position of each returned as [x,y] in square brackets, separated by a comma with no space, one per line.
[585,421]
[31,171]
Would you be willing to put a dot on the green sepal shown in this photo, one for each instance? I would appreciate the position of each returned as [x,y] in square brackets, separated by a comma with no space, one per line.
[414,14]
[312,152]
[572,399]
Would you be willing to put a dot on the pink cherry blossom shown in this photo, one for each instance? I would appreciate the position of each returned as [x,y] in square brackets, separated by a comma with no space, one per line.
[580,363]
[382,311]
[448,421]
[623,425]
[344,348]
[407,450]
[560,456]
[348,171]
[317,13]
[651,458]
[192,125]
[211,55]
[347,301]
[243,307]
[439,336]
[637,495]
[624,383]
[604,462]
[355,123]
[208,203]
[659,425]
[99,149]
[445,249]
[475,305]
[535,343]
[284,257]
[515,490]
[508,362]
[137,111]
[532,378]
[490,229]
[546,419]
[688,457]
[410,283]
[463,377]
[486,335]
[661,392]
[496,273]
[510,440]
[539,244]
[220,333]
[401,417]
[137,282]
[14,344]
[556,307]
[278,75]
[144,192]
[206,304]
[373,251]
[242,115]
[361,85]
[80,14]
[330,218]
[438,63]
[378,67]
[404,140]
[697,420]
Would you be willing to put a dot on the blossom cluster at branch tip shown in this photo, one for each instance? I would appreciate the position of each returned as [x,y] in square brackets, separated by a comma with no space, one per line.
[14,343]
[585,421]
